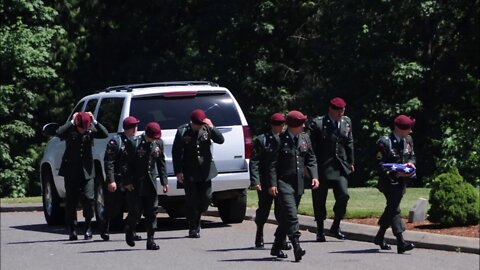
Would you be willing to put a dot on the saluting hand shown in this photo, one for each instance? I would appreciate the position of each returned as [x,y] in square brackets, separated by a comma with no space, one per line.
[208,122]
[74,116]
[91,115]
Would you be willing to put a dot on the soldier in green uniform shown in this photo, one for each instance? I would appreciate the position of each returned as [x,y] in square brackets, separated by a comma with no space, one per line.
[194,166]
[117,154]
[263,147]
[147,164]
[78,169]
[293,155]
[332,141]
[395,148]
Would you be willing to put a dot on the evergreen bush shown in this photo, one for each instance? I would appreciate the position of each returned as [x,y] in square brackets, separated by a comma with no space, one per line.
[453,201]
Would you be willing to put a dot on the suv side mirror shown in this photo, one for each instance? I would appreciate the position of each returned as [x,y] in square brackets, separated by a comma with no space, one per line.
[50,129]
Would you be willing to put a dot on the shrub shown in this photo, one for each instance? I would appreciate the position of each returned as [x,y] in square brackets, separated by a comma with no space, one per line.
[453,201]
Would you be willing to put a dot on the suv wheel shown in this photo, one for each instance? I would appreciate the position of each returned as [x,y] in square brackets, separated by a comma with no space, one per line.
[99,199]
[233,210]
[175,211]
[54,213]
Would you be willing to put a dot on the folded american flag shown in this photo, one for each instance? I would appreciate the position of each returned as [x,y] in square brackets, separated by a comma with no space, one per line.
[398,167]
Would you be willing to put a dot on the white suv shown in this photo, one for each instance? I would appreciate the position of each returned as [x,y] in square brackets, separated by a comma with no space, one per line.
[170,105]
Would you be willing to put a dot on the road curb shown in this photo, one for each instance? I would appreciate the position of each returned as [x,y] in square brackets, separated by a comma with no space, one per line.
[20,207]
[352,231]
[366,233]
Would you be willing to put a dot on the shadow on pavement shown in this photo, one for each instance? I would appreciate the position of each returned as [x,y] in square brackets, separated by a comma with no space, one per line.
[233,249]
[163,224]
[109,250]
[359,251]
[264,259]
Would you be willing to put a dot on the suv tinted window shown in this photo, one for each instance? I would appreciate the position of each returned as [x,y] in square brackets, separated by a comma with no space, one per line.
[170,112]
[91,104]
[109,113]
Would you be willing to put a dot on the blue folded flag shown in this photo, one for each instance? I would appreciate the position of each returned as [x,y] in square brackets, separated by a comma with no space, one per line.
[398,167]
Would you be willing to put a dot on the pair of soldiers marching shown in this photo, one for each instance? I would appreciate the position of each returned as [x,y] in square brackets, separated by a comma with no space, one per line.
[278,164]
[132,163]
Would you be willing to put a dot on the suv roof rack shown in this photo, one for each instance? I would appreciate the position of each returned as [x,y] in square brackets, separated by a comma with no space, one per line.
[129,87]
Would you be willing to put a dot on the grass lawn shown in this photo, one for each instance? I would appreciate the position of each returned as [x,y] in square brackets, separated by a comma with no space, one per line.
[363,203]
[37,199]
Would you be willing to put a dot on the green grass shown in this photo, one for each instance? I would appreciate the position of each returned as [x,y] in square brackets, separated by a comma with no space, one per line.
[363,203]
[37,199]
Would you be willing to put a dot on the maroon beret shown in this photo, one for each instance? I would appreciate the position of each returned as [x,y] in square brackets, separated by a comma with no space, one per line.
[277,119]
[82,120]
[338,103]
[130,122]
[153,130]
[404,122]
[295,119]
[198,116]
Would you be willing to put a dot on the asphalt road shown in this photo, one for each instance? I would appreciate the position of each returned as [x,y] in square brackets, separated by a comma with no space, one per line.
[28,243]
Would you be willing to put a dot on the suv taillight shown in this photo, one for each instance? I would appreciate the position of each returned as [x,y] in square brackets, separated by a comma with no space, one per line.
[247,137]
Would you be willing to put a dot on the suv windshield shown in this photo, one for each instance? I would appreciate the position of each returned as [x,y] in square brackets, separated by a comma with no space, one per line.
[170,112]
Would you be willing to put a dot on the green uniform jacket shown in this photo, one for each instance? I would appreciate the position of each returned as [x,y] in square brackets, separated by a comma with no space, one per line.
[191,152]
[264,146]
[289,162]
[389,150]
[147,164]
[331,144]
[78,148]
[120,149]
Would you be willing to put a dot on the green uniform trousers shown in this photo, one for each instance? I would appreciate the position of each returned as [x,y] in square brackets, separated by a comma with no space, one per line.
[77,189]
[289,200]
[319,198]
[198,195]
[391,215]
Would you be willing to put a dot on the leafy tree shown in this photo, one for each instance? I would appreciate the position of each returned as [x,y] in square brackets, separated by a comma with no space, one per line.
[29,43]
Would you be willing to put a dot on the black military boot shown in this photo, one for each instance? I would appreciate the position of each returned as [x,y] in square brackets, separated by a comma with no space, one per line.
[297,250]
[379,239]
[129,236]
[88,229]
[72,233]
[403,246]
[104,232]
[320,234]
[259,238]
[335,229]
[151,245]
[277,249]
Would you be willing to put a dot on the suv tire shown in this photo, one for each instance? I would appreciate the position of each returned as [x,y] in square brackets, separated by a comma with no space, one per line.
[233,210]
[176,211]
[99,199]
[54,213]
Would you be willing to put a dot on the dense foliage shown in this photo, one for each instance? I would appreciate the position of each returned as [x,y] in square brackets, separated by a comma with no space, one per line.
[454,202]
[384,57]
[32,56]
